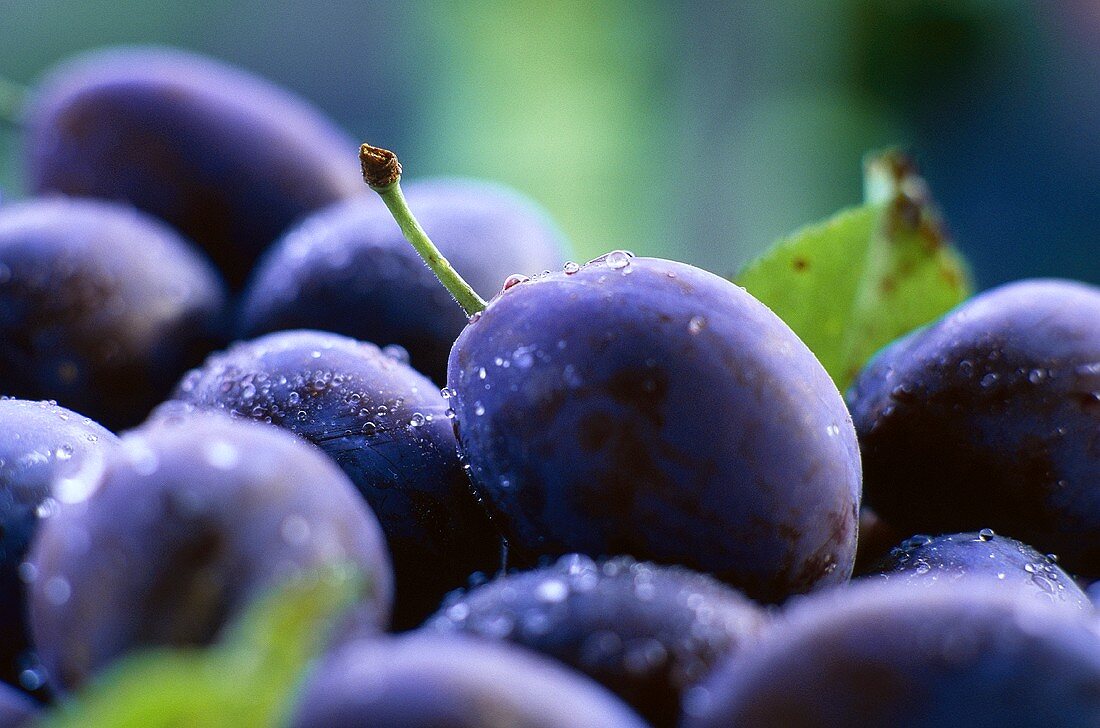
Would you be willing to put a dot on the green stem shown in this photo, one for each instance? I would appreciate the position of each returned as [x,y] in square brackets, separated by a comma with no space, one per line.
[382,173]
[12,96]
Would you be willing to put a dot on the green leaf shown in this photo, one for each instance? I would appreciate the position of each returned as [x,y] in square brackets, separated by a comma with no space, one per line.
[852,284]
[246,680]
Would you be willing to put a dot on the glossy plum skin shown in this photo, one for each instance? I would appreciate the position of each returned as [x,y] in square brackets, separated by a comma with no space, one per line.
[997,561]
[433,681]
[988,419]
[227,158]
[645,632]
[385,424]
[102,307]
[16,709]
[348,269]
[648,408]
[887,655]
[190,519]
[40,443]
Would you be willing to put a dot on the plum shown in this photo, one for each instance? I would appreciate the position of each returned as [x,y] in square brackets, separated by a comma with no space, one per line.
[16,709]
[432,681]
[227,158]
[885,654]
[989,418]
[386,425]
[179,528]
[645,632]
[643,407]
[102,307]
[348,269]
[994,560]
[40,444]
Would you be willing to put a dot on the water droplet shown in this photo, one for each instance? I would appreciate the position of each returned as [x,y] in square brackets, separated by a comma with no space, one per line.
[986,534]
[514,280]
[293,398]
[47,508]
[1036,376]
[475,317]
[618,259]
[989,380]
[396,352]
[570,268]
[481,373]
[832,430]
[479,409]
[416,420]
[65,452]
[696,324]
[552,591]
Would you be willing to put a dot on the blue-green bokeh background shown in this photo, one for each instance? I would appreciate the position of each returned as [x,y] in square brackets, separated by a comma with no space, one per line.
[694,130]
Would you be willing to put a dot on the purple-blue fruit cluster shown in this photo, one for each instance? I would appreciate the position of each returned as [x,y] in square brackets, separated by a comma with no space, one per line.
[348,269]
[225,157]
[386,425]
[171,534]
[653,427]
[645,407]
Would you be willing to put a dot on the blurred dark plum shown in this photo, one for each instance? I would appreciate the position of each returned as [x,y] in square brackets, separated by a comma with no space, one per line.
[994,560]
[645,632]
[42,446]
[348,269]
[433,681]
[228,158]
[16,709]
[881,655]
[644,407]
[989,418]
[386,425]
[102,307]
[184,524]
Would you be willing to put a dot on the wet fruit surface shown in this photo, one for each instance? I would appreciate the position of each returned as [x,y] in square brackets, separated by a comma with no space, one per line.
[387,427]
[644,407]
[179,528]
[41,445]
[996,561]
[989,419]
[645,632]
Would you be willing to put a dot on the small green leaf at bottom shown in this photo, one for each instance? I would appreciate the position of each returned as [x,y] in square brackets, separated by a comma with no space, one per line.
[246,680]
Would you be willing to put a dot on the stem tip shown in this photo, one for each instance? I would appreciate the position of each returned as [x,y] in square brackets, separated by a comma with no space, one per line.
[380,166]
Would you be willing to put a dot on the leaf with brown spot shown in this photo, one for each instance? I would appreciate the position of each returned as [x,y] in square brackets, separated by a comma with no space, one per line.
[866,276]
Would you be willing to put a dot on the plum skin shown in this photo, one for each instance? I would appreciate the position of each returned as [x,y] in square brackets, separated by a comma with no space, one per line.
[227,158]
[886,654]
[386,426]
[988,419]
[40,444]
[102,307]
[645,632]
[348,269]
[997,561]
[648,408]
[431,681]
[179,529]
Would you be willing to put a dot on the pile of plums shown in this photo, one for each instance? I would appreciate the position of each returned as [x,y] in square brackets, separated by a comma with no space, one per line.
[623,494]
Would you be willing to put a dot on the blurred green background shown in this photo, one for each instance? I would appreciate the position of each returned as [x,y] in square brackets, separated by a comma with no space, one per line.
[694,130]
